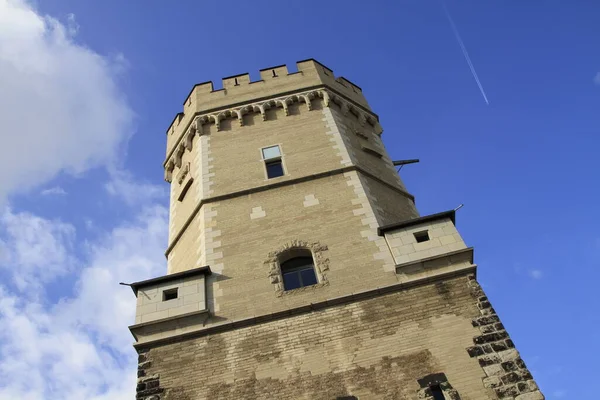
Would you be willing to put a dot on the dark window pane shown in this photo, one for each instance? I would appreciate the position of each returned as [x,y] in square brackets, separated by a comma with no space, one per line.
[437,393]
[297,262]
[169,294]
[291,280]
[308,277]
[274,169]
[422,236]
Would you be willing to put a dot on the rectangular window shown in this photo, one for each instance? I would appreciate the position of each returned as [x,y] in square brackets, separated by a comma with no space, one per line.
[169,294]
[422,236]
[273,164]
[274,169]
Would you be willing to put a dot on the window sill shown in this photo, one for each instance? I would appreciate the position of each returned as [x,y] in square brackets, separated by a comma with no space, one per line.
[302,289]
[277,178]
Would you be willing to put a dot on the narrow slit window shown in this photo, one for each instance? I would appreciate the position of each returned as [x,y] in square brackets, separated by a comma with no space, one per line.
[169,294]
[422,236]
[437,392]
[273,163]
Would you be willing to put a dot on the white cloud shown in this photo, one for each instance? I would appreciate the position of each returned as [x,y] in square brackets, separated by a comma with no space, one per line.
[62,111]
[536,273]
[124,186]
[597,79]
[60,106]
[53,191]
[533,273]
[34,250]
[80,348]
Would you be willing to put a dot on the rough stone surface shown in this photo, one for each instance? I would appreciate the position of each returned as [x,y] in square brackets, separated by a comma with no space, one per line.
[506,372]
[375,348]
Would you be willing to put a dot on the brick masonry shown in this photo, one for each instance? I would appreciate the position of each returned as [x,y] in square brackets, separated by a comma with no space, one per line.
[375,348]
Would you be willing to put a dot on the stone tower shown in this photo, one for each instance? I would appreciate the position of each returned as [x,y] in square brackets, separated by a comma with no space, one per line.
[298,265]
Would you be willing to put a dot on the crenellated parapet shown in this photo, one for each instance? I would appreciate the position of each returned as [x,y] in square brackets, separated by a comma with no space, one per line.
[329,97]
[239,91]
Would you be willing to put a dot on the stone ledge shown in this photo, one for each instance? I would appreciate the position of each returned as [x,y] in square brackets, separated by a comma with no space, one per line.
[135,329]
[462,252]
[135,286]
[416,221]
[180,115]
[276,185]
[354,297]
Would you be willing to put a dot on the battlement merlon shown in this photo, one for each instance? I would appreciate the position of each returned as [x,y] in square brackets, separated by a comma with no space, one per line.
[275,81]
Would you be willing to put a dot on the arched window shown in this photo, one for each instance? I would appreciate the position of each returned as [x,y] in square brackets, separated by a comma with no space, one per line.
[298,269]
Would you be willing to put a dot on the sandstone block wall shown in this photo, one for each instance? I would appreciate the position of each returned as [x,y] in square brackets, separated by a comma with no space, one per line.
[245,225]
[191,296]
[443,238]
[274,81]
[374,348]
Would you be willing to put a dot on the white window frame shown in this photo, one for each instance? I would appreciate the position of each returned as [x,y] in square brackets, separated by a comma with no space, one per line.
[276,158]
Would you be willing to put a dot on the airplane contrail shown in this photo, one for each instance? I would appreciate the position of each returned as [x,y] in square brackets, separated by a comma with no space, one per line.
[465,53]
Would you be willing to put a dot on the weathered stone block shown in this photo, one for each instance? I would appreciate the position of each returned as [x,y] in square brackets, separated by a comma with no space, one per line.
[487,329]
[508,355]
[492,382]
[475,351]
[489,319]
[493,370]
[509,366]
[506,391]
[490,337]
[489,360]
[511,377]
[530,396]
[499,346]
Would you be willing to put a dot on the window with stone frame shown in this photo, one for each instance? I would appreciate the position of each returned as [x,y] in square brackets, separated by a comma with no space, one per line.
[297,249]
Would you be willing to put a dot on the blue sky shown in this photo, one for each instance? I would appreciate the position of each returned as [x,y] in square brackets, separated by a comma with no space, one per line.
[87,90]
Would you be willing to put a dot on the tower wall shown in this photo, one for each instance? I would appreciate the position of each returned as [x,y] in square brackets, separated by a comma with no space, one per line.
[396,311]
[378,347]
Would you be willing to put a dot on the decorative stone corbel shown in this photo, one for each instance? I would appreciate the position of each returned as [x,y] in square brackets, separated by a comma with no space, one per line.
[179,154]
[259,108]
[378,128]
[199,122]
[169,171]
[362,119]
[183,173]
[284,104]
[189,137]
[326,98]
[345,108]
[307,99]
[217,120]
[240,115]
